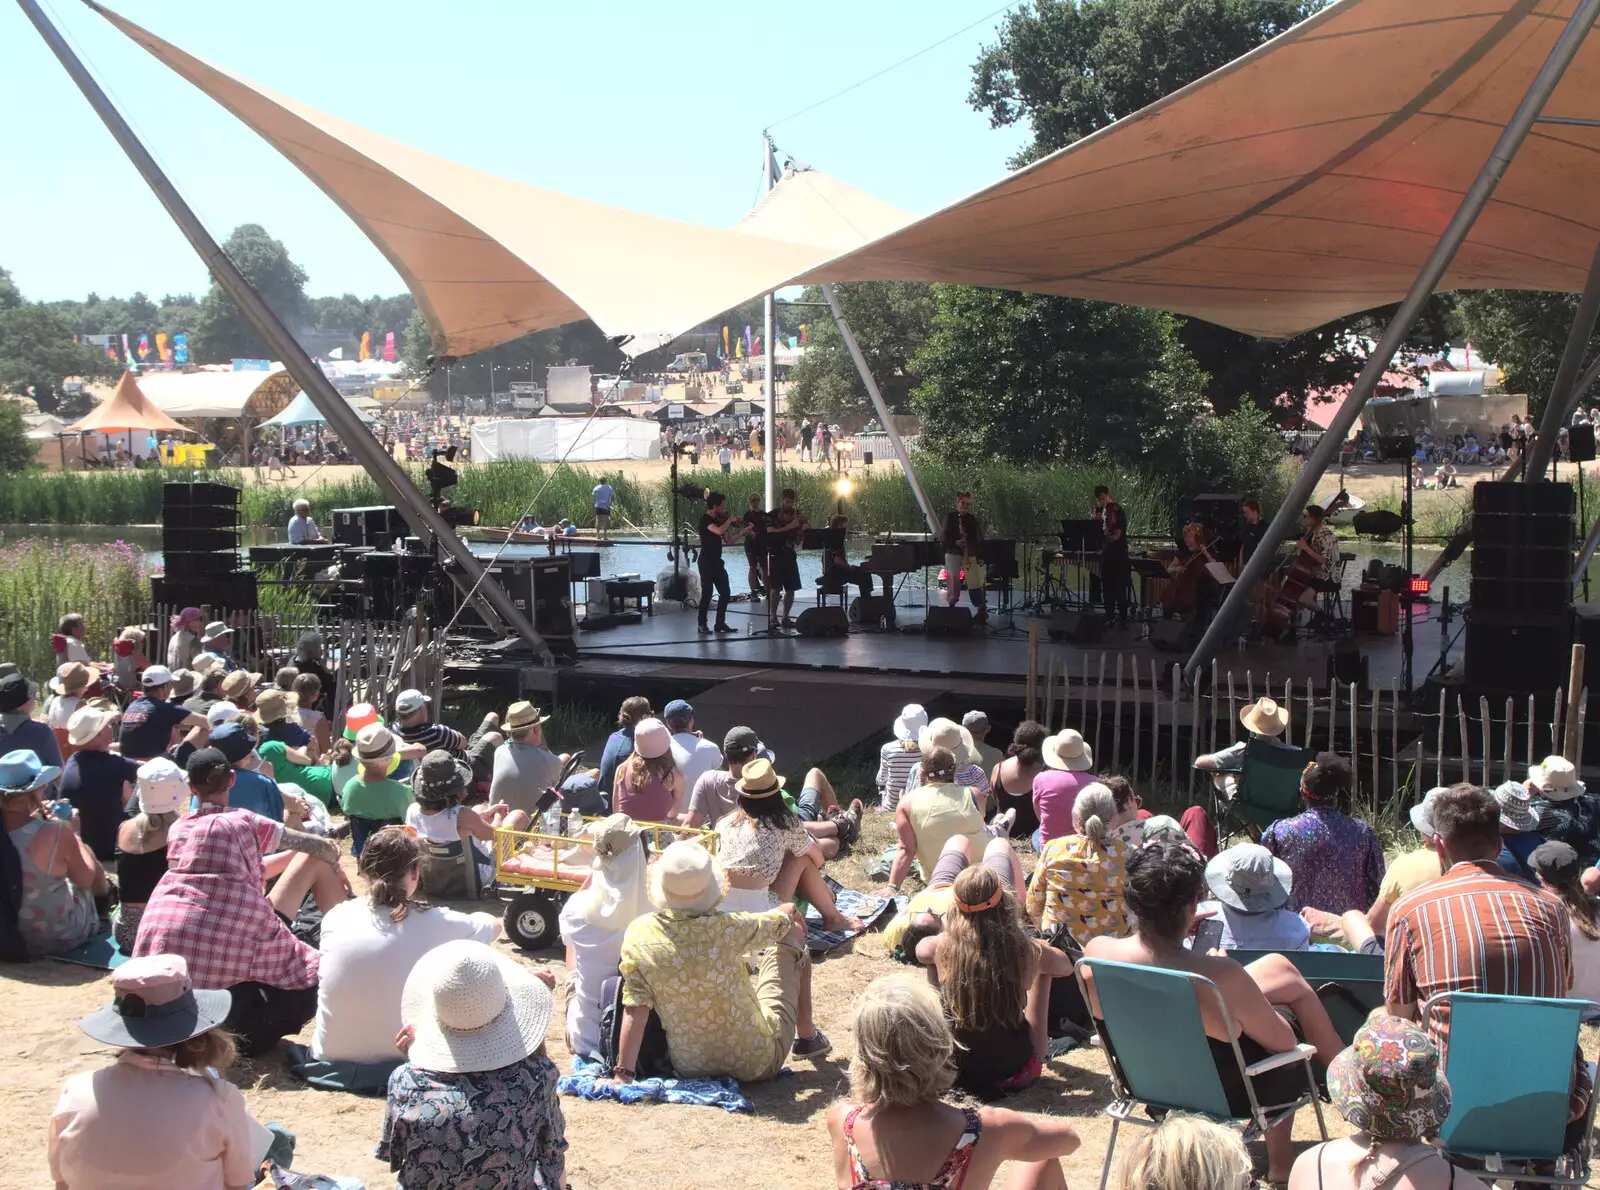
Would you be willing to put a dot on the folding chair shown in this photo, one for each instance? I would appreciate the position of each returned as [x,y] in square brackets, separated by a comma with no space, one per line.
[1155,1042]
[1510,1066]
[1268,787]
[1349,985]
[450,871]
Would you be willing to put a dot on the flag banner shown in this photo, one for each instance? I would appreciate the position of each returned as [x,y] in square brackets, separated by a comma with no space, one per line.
[180,348]
[793,342]
[388,347]
[724,341]
[366,344]
[161,347]
[336,353]
[803,327]
[747,341]
[144,346]
[127,352]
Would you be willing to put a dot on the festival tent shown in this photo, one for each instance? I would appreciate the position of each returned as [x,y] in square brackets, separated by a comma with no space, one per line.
[220,393]
[569,439]
[1304,181]
[128,409]
[302,411]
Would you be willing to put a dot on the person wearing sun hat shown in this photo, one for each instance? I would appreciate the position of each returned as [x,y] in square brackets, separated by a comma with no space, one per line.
[900,755]
[474,1033]
[162,1105]
[162,790]
[1250,887]
[67,688]
[594,920]
[278,712]
[1519,827]
[649,785]
[18,727]
[185,641]
[1069,769]
[957,740]
[97,781]
[1389,1084]
[687,963]
[1568,812]
[1263,719]
[372,798]
[524,767]
[60,877]
[216,638]
[150,719]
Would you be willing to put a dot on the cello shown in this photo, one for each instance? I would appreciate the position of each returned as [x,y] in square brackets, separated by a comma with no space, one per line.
[1279,617]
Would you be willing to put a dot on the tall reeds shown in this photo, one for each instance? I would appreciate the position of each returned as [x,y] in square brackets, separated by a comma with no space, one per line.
[40,581]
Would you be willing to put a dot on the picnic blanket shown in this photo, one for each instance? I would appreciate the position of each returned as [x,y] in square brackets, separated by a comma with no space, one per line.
[587,1073]
[865,907]
[99,952]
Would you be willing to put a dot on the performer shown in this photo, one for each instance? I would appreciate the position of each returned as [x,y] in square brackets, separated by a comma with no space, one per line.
[1320,541]
[1193,589]
[755,545]
[963,550]
[1115,569]
[716,528]
[1251,529]
[837,573]
[784,526]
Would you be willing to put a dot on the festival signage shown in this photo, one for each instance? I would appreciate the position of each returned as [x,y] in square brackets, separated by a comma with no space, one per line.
[180,348]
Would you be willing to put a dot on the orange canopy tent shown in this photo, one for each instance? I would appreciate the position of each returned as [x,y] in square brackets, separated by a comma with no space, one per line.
[127,410]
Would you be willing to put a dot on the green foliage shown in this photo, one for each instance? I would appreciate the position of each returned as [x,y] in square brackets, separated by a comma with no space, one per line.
[16,452]
[37,351]
[1524,331]
[1237,452]
[418,340]
[93,497]
[221,332]
[40,581]
[1029,379]
[890,320]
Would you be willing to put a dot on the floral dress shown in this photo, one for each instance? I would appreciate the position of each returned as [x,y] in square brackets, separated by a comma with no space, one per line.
[952,1174]
[488,1130]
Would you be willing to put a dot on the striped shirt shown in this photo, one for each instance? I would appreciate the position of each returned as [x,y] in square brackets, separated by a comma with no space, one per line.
[434,735]
[896,759]
[970,775]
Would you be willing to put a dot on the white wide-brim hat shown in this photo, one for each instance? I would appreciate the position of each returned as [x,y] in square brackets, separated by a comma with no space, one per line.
[686,879]
[947,733]
[1422,813]
[473,1008]
[1067,751]
[1557,779]
[912,719]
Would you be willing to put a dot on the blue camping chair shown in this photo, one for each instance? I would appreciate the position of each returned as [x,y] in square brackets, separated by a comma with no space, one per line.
[1506,1111]
[1155,1042]
[1349,985]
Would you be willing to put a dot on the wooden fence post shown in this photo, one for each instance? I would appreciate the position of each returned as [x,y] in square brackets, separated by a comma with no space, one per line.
[1570,745]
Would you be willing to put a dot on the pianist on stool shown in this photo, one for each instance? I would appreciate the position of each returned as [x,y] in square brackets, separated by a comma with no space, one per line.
[837,573]
[302,529]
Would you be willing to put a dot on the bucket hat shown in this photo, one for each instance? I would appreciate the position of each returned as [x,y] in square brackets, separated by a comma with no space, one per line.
[950,735]
[162,787]
[1388,1082]
[472,1009]
[910,721]
[1516,807]
[1250,878]
[686,878]
[71,678]
[440,774]
[273,704]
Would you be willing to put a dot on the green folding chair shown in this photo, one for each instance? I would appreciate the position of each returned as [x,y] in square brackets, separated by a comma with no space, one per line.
[1155,1042]
[1349,985]
[1510,1066]
[1268,787]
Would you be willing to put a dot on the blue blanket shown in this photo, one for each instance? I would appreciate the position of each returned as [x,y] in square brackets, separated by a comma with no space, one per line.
[586,1076]
[865,907]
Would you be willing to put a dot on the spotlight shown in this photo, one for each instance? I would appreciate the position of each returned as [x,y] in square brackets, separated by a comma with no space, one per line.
[844,487]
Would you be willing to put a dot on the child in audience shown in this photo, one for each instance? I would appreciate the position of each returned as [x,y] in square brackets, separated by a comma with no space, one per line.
[308,689]
[1250,887]
[1186,1153]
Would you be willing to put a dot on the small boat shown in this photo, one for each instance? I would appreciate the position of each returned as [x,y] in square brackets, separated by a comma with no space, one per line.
[499,533]
[1345,514]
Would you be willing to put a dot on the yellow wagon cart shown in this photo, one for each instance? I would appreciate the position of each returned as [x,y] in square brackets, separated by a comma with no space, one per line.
[536,872]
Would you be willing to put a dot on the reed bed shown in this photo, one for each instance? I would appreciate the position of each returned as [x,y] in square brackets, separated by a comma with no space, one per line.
[40,581]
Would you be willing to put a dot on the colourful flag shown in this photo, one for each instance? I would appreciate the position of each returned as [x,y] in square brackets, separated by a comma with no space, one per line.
[724,341]
[144,347]
[747,342]
[738,349]
[755,347]
[366,345]
[388,347]
[111,352]
[803,326]
[793,342]
[180,348]
[161,347]
[127,352]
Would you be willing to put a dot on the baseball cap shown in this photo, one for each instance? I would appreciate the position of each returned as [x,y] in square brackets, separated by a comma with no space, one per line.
[742,741]
[204,764]
[677,711]
[156,675]
[408,702]
[220,713]
[232,741]
[975,721]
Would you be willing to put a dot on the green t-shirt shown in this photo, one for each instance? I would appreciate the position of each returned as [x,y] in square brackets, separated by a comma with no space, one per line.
[386,799]
[313,778]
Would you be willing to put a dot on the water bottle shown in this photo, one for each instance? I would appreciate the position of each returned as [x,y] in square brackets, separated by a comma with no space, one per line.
[550,821]
[574,823]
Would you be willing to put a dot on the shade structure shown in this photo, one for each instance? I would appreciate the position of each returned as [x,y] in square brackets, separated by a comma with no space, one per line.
[221,393]
[302,411]
[128,409]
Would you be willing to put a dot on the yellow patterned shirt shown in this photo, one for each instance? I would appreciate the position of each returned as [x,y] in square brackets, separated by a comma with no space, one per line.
[1080,885]
[689,967]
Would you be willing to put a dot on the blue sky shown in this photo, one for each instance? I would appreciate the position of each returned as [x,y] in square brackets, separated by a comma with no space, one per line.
[657,106]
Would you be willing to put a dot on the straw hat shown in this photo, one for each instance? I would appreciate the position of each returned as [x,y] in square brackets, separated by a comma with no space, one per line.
[686,879]
[87,723]
[71,678]
[163,787]
[238,684]
[651,739]
[911,720]
[374,742]
[155,1005]
[1250,878]
[1516,807]
[1265,717]
[273,704]
[184,683]
[758,780]
[1388,1083]
[1067,751]
[205,664]
[1557,779]
[948,734]
[473,1009]
[524,714]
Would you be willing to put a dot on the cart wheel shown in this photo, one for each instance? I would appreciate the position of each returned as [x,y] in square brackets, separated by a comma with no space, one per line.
[531,920]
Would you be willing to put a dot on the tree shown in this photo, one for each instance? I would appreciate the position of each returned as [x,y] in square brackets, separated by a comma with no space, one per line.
[10,295]
[37,351]
[890,320]
[418,344]
[16,452]
[221,331]
[1071,67]
[1030,378]
[1525,332]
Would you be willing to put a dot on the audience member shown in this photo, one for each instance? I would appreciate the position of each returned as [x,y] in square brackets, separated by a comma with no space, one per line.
[238,686]
[184,644]
[162,1115]
[955,739]
[1388,1085]
[691,751]
[216,639]
[251,790]
[1250,887]
[927,817]
[128,658]
[1012,778]
[209,907]
[372,799]
[208,670]
[1069,767]
[97,781]
[1185,1152]
[898,1132]
[277,711]
[59,879]
[308,696]
[438,815]
[1264,719]
[1078,882]
[163,793]
[292,766]
[977,726]
[368,948]
[475,1102]
[19,730]
[413,725]
[714,794]
[1568,812]
[72,679]
[594,920]
[1519,827]
[899,756]
[1337,860]
[150,719]
[913,933]
[687,963]
[1127,827]
[649,787]
[310,657]
[1559,871]
[1164,884]
[524,766]
[619,746]
[68,640]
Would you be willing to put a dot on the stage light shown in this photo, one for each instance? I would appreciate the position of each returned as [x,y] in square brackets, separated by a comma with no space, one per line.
[1421,586]
[844,487]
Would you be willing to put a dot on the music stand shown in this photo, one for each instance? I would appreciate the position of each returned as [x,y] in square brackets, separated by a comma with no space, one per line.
[1082,537]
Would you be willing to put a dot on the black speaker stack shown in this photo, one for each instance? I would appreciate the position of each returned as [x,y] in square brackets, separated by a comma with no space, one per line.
[200,549]
[375,527]
[1519,630]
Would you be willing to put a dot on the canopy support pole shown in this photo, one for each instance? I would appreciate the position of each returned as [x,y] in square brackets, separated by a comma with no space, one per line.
[769,388]
[1241,595]
[1586,554]
[420,516]
[1563,392]
[882,408]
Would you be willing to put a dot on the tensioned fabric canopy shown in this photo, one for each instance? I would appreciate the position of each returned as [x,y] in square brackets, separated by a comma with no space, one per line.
[302,411]
[217,393]
[1304,181]
[128,409]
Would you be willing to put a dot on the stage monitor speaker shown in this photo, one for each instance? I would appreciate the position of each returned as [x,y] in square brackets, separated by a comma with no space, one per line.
[1068,623]
[1364,609]
[1174,636]
[822,621]
[872,609]
[1519,653]
[1580,444]
[948,621]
